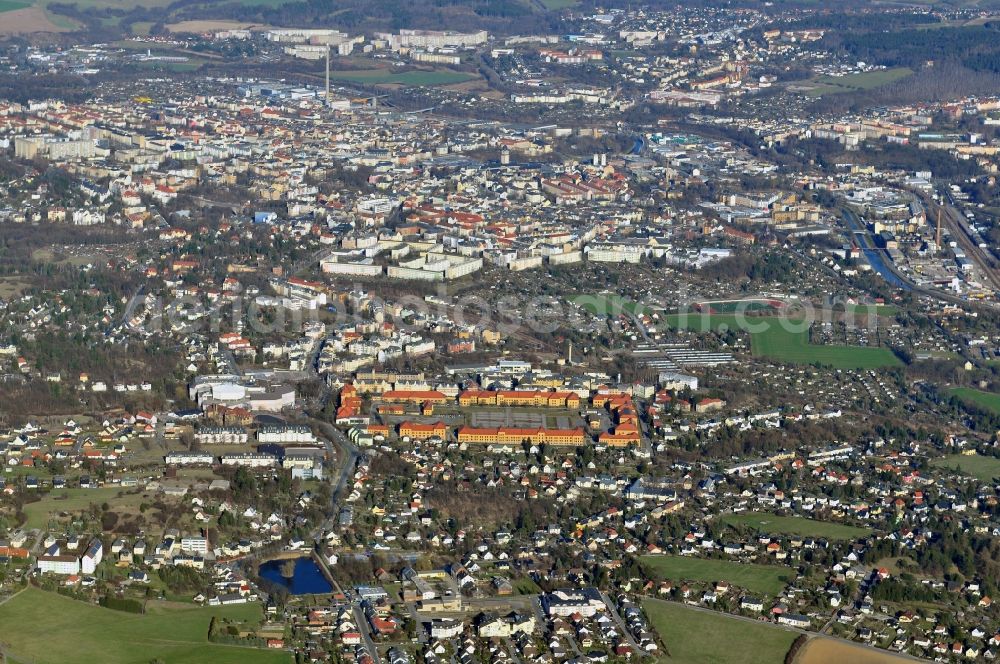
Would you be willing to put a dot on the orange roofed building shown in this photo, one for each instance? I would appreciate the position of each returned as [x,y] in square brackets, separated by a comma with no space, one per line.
[417,431]
[536,398]
[415,396]
[622,436]
[515,436]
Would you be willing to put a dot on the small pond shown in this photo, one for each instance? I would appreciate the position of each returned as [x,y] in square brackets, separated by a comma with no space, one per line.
[307,578]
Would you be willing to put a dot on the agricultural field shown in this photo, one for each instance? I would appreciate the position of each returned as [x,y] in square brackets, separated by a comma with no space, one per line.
[692,636]
[414,78]
[795,525]
[211,25]
[985,468]
[765,580]
[46,628]
[987,400]
[832,85]
[822,650]
[556,5]
[771,339]
[24,18]
[27,16]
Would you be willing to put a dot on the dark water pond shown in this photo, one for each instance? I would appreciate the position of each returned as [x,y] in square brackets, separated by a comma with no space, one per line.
[307,578]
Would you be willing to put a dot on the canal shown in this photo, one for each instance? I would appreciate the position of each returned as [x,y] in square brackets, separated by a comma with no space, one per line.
[875,258]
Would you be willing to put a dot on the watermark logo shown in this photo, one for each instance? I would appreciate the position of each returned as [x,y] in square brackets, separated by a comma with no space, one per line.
[505,313]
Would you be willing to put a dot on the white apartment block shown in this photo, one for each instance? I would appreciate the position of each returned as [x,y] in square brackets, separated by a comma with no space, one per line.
[194,545]
[250,460]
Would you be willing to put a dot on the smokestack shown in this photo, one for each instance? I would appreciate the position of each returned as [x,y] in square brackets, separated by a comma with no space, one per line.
[327,98]
[939,230]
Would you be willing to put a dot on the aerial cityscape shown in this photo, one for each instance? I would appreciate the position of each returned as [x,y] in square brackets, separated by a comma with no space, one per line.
[499,332]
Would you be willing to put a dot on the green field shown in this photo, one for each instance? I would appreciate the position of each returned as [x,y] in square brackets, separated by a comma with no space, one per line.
[526,586]
[880,309]
[414,78]
[751,306]
[555,5]
[45,628]
[832,85]
[178,67]
[988,400]
[691,636]
[765,580]
[766,522]
[11,5]
[794,347]
[985,468]
[698,322]
[71,501]
[769,338]
[604,304]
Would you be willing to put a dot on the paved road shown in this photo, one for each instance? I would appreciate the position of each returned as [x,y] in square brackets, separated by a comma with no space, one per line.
[515,654]
[621,623]
[348,458]
[365,629]
[39,536]
[10,597]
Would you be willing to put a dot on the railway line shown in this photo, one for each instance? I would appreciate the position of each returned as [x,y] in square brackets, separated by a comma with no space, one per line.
[962,234]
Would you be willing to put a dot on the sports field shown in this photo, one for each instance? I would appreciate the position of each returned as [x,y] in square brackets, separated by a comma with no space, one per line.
[692,636]
[768,580]
[988,400]
[414,78]
[985,468]
[766,522]
[786,340]
[46,628]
